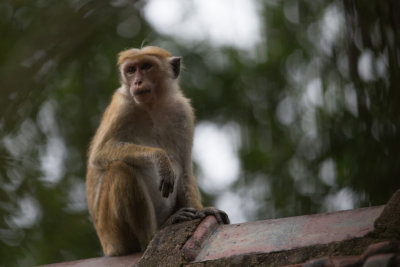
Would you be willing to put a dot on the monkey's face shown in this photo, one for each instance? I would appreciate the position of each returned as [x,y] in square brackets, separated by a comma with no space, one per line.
[148,77]
[140,77]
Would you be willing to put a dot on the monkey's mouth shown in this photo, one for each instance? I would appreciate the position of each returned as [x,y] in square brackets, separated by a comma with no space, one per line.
[142,91]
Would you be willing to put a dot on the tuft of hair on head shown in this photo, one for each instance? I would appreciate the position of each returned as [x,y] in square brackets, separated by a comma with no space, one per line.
[147,50]
[143,44]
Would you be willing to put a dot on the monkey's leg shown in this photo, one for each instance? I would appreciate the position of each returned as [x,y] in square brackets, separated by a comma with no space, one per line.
[126,221]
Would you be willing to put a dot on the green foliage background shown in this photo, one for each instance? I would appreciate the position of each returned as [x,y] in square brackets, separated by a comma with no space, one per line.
[318,118]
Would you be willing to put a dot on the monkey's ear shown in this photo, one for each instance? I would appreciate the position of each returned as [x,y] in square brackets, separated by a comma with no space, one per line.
[176,66]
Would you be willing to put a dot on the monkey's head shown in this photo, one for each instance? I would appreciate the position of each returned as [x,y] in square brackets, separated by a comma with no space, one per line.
[148,73]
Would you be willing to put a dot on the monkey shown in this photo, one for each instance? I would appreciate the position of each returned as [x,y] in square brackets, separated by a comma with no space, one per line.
[139,170]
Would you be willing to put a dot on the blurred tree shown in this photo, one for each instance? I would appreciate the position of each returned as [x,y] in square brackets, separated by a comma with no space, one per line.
[57,74]
[316,103]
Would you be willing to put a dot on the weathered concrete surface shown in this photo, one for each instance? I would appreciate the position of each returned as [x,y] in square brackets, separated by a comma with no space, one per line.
[288,233]
[123,261]
[331,238]
[291,257]
[166,247]
[203,232]
[381,254]
[362,243]
[388,223]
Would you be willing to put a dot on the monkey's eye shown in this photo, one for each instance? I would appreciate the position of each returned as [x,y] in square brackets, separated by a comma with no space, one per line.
[131,69]
[146,66]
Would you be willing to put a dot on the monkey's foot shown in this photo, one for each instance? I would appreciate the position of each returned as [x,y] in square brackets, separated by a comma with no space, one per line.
[188,214]
[221,216]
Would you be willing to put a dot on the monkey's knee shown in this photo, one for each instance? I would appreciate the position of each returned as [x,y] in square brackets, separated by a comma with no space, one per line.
[121,181]
[119,169]
[116,184]
[127,187]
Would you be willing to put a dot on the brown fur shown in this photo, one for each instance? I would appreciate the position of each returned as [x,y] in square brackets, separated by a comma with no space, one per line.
[148,50]
[139,174]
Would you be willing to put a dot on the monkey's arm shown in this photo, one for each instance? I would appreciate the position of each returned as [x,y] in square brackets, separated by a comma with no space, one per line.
[190,207]
[189,201]
[137,156]
[194,200]
[131,153]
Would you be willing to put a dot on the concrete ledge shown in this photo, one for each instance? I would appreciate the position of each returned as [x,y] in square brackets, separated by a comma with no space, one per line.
[288,233]
[123,261]
[360,237]
[196,243]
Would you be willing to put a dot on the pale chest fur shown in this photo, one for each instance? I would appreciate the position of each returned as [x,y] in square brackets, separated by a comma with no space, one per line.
[169,129]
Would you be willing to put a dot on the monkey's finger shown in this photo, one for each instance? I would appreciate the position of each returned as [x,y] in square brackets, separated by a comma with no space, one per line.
[161,185]
[197,214]
[185,216]
[200,215]
[220,219]
[193,210]
[163,189]
[170,187]
[224,217]
[179,218]
[167,189]
[215,214]
[190,215]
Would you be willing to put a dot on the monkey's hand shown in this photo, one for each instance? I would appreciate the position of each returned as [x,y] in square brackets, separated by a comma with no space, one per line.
[165,172]
[167,182]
